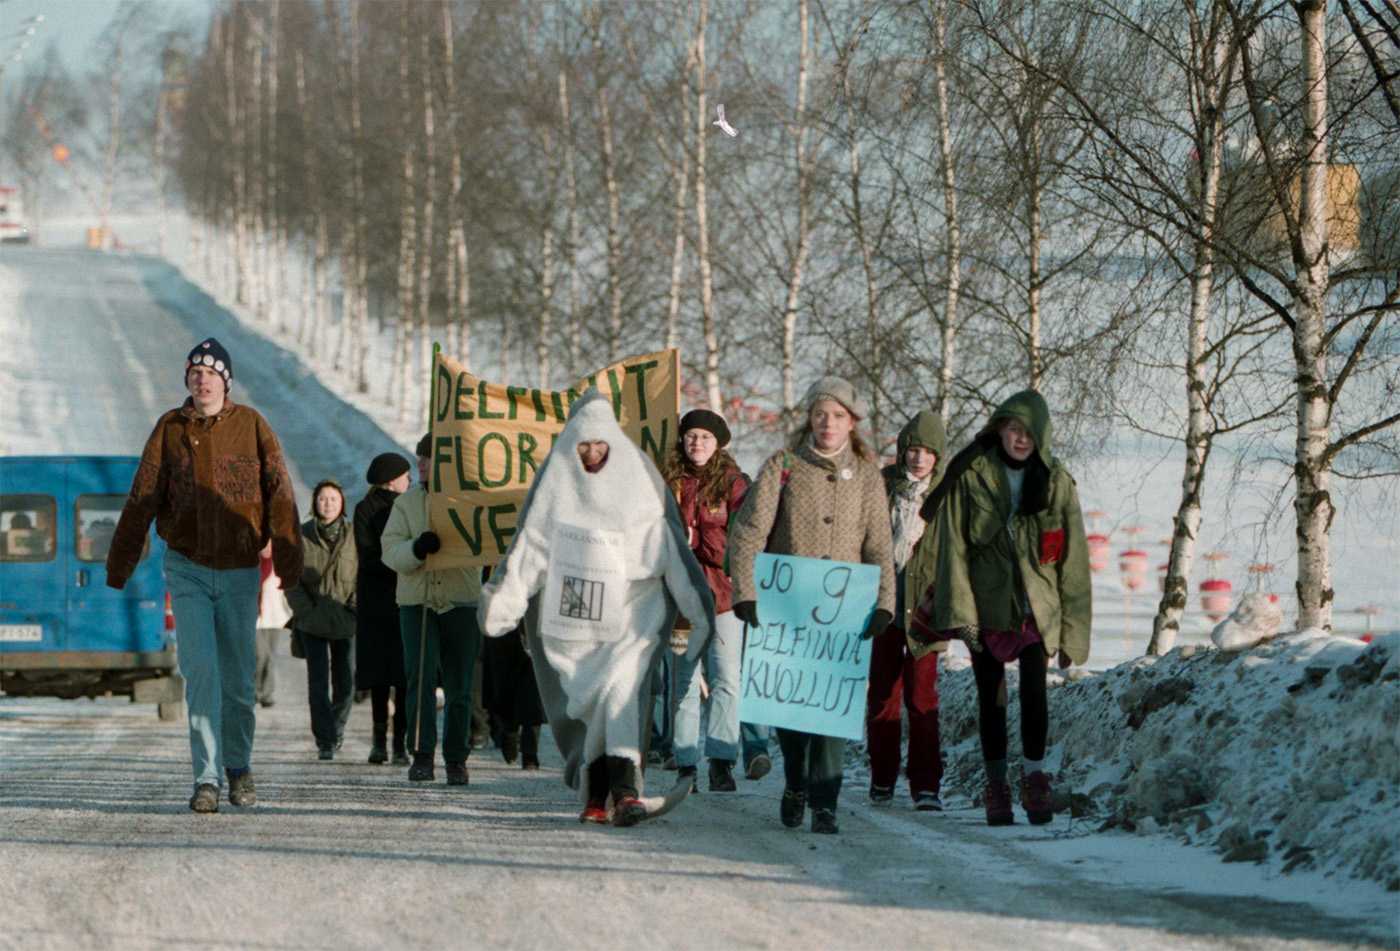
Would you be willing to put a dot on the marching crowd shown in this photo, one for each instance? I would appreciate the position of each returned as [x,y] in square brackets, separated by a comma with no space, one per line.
[987,547]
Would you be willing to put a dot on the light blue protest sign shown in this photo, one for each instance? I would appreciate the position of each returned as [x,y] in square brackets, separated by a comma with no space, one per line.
[805,664]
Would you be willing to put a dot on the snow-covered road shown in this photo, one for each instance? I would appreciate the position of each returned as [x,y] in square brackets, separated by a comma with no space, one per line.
[98,849]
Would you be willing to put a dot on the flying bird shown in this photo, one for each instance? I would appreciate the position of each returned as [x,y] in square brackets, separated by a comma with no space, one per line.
[724,126]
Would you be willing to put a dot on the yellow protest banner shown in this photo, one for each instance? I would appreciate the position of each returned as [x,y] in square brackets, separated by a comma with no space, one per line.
[489,439]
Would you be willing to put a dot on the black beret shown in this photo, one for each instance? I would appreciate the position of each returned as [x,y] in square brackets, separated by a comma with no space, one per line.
[425,445]
[386,467]
[705,419]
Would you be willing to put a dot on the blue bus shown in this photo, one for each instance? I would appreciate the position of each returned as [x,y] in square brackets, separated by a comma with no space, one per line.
[63,632]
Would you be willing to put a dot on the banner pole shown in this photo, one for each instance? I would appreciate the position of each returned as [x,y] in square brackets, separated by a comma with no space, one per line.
[427,512]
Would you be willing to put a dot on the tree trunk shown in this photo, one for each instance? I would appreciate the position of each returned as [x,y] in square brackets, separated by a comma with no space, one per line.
[614,231]
[1213,97]
[572,243]
[400,378]
[673,310]
[275,262]
[239,223]
[1033,237]
[423,363]
[257,179]
[947,330]
[1313,502]
[702,222]
[458,276]
[799,261]
[359,260]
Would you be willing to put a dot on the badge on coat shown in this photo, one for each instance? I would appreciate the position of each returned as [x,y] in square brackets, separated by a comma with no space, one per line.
[584,586]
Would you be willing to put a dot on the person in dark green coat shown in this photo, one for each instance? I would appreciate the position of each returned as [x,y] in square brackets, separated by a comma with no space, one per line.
[903,672]
[323,615]
[1011,579]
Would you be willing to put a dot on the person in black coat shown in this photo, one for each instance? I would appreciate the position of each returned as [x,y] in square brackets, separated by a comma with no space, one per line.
[511,696]
[378,646]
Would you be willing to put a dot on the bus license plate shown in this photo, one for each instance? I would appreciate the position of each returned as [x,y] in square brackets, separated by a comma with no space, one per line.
[21,632]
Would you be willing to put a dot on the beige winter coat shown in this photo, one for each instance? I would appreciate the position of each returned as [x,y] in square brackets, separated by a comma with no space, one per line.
[442,590]
[828,508]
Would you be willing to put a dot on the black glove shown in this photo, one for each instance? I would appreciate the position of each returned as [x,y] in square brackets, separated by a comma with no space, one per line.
[425,544]
[747,611]
[879,623]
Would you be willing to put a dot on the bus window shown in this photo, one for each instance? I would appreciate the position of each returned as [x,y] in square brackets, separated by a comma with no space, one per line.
[95,518]
[27,527]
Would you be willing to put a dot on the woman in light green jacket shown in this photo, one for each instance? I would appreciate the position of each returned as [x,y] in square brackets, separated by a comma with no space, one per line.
[1012,580]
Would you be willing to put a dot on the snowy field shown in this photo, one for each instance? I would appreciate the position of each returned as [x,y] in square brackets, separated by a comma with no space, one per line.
[99,849]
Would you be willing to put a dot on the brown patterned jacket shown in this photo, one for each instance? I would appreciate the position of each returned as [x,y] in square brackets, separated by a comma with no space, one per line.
[217,488]
[824,508]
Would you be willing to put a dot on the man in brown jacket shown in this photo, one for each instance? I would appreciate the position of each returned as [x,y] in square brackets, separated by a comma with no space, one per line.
[213,478]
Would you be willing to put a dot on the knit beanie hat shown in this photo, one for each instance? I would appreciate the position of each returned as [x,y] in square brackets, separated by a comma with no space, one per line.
[709,421]
[386,467]
[210,353]
[835,388]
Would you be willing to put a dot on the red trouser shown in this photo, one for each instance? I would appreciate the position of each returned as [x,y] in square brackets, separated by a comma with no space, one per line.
[898,680]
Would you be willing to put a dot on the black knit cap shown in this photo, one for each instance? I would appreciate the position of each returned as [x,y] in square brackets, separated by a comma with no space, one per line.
[705,419]
[425,445]
[210,353]
[386,467]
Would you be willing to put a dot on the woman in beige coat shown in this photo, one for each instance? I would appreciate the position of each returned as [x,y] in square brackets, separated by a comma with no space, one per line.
[823,498]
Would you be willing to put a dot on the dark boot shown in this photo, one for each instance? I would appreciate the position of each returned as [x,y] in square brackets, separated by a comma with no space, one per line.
[824,821]
[792,808]
[205,798]
[378,750]
[241,789]
[457,774]
[400,751]
[722,776]
[510,745]
[529,747]
[996,798]
[1035,798]
[688,773]
[422,769]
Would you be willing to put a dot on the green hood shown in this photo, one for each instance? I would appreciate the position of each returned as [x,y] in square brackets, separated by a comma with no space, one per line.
[925,429]
[1029,409]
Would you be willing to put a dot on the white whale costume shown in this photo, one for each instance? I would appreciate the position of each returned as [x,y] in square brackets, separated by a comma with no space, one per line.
[597,567]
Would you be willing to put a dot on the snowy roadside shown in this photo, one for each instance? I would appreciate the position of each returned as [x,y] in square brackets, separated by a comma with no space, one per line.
[1286,755]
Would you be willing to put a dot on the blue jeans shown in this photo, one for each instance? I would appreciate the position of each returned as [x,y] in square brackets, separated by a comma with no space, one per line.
[721,664]
[216,622]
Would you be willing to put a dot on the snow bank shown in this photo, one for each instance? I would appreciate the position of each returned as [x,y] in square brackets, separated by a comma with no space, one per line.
[1286,754]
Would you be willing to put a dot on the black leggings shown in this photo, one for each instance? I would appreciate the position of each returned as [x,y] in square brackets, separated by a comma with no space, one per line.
[615,774]
[1035,712]
[379,707]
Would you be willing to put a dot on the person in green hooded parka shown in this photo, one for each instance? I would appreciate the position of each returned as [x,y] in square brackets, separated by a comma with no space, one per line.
[904,672]
[1011,579]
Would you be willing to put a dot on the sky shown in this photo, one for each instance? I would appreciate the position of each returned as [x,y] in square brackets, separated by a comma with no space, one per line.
[73,26]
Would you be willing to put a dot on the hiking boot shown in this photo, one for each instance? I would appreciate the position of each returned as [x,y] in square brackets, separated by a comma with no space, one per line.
[792,808]
[824,821]
[1035,798]
[422,769]
[689,773]
[205,798]
[881,795]
[510,746]
[596,812]
[996,799]
[241,790]
[630,811]
[927,802]
[325,753]
[457,774]
[722,776]
[378,751]
[400,754]
[759,766]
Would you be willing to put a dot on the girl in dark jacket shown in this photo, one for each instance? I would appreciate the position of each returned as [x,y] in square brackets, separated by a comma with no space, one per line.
[323,615]
[378,646]
[708,486]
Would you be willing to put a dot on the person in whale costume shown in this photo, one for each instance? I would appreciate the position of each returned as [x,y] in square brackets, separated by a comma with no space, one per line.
[597,568]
